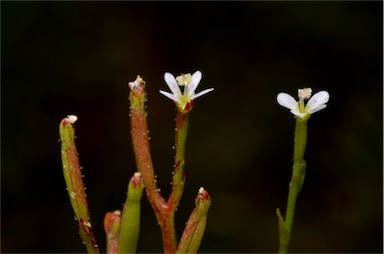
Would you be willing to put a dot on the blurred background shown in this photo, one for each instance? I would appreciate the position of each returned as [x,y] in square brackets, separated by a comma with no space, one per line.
[60,58]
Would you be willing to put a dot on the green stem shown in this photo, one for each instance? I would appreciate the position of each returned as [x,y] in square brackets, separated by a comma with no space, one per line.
[297,180]
[178,180]
[130,219]
[300,141]
[74,181]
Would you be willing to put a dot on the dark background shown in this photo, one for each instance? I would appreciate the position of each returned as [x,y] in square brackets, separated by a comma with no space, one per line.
[60,58]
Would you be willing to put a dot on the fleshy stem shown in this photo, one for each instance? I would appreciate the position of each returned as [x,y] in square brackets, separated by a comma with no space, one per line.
[178,180]
[297,180]
[130,219]
[140,141]
[195,228]
[74,182]
[164,210]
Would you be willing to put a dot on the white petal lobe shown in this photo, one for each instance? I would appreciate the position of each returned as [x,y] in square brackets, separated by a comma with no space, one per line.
[317,101]
[314,110]
[196,77]
[287,101]
[169,95]
[202,93]
[172,83]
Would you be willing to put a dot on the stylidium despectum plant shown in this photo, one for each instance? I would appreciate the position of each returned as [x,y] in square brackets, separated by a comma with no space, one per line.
[122,227]
[302,112]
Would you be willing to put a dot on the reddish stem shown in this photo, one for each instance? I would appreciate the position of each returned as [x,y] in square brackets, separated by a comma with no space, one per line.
[140,140]
[74,182]
[112,222]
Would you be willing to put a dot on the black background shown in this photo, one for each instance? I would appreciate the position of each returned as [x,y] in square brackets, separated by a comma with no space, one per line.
[60,58]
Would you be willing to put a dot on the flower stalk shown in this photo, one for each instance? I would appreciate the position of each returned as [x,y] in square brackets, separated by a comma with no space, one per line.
[178,180]
[74,181]
[297,181]
[302,113]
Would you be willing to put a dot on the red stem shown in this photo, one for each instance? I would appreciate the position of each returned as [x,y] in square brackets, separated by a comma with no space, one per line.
[141,149]
[140,140]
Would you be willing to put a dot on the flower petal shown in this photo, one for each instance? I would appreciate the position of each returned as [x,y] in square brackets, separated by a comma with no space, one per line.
[169,95]
[323,106]
[317,102]
[196,77]
[287,101]
[172,84]
[202,93]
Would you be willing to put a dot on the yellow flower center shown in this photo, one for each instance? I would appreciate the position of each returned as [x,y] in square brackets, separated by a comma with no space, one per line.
[184,80]
[304,94]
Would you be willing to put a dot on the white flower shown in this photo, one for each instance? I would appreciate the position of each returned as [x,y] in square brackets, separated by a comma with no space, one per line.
[190,83]
[315,103]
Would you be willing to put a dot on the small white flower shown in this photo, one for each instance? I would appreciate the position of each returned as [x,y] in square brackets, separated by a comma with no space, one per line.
[190,83]
[315,103]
